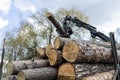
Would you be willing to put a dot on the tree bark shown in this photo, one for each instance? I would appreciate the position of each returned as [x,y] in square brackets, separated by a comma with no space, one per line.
[47,49]
[59,42]
[13,77]
[41,52]
[69,71]
[55,57]
[15,66]
[47,73]
[101,76]
[51,17]
[80,51]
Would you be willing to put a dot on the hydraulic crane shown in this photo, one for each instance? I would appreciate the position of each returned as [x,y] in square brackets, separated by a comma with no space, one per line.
[65,31]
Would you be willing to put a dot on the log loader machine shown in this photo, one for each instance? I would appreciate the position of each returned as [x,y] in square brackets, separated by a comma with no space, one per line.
[65,31]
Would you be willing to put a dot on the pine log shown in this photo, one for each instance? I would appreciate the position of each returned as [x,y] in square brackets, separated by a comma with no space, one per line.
[41,52]
[55,57]
[70,71]
[59,42]
[80,51]
[47,73]
[51,17]
[13,77]
[101,76]
[15,66]
[47,49]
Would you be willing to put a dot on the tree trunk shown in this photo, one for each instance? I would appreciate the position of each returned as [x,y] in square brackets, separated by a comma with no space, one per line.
[51,17]
[59,42]
[47,73]
[41,52]
[15,66]
[101,76]
[47,49]
[80,51]
[69,71]
[55,57]
[2,58]
[13,77]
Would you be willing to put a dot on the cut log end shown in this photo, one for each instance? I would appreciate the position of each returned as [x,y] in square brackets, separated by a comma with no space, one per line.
[71,51]
[48,14]
[21,76]
[9,68]
[47,49]
[66,70]
[52,54]
[41,52]
[57,43]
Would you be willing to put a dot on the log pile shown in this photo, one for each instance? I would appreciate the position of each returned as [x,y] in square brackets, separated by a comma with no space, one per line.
[66,59]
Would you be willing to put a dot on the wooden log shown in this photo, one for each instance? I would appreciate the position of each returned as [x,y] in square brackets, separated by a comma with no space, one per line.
[59,42]
[15,66]
[70,71]
[47,73]
[41,52]
[47,49]
[101,76]
[80,51]
[13,77]
[55,57]
[51,17]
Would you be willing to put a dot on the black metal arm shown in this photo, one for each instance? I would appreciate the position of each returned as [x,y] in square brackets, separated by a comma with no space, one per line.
[92,29]
[115,57]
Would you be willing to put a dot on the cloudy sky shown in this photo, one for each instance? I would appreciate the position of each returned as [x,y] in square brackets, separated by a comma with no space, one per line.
[104,14]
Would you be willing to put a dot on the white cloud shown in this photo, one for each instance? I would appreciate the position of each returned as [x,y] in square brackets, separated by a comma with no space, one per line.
[5,5]
[3,23]
[25,5]
[112,24]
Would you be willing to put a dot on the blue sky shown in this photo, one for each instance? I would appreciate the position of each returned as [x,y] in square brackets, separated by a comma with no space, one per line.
[104,14]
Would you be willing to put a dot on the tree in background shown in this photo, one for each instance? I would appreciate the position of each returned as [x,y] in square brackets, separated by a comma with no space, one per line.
[43,27]
[16,46]
[38,32]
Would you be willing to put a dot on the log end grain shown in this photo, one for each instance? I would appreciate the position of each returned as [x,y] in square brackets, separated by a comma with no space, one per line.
[58,43]
[48,14]
[66,71]
[21,75]
[9,68]
[41,52]
[71,51]
[52,56]
[48,48]
[55,57]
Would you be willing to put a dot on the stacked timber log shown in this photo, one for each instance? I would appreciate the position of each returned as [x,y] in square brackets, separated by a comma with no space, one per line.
[66,59]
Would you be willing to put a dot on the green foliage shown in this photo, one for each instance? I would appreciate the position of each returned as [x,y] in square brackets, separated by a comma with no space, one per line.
[16,46]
